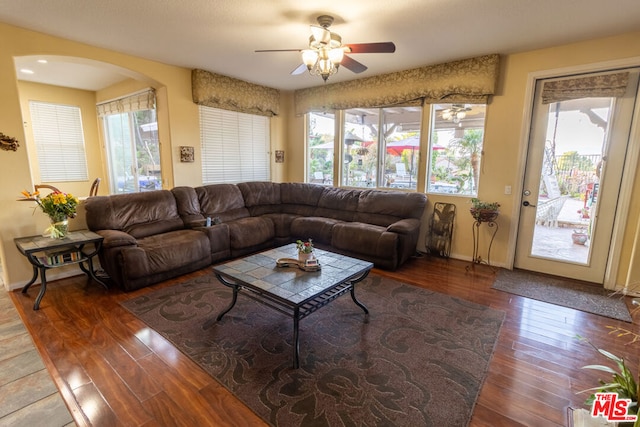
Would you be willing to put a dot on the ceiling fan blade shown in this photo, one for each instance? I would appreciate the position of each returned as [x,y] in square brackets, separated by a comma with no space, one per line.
[382,47]
[353,65]
[278,50]
[299,70]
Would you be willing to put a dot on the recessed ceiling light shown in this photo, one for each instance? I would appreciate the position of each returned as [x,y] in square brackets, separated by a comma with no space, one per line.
[42,61]
[26,71]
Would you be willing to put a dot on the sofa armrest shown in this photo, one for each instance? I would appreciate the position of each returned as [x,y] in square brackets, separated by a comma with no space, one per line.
[405,226]
[116,238]
[196,223]
[218,236]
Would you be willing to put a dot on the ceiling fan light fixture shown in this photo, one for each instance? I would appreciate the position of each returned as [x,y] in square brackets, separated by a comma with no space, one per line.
[309,57]
[336,41]
[456,113]
[320,35]
[336,55]
[325,52]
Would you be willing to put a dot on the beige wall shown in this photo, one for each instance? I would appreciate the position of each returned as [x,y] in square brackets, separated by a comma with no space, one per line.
[86,101]
[178,118]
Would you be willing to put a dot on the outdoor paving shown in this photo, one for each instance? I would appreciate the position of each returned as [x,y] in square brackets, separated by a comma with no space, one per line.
[556,242]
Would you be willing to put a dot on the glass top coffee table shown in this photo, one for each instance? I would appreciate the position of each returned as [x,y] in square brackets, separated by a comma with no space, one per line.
[290,290]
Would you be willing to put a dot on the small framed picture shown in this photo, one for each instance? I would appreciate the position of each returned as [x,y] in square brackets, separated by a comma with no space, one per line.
[187,154]
[279,156]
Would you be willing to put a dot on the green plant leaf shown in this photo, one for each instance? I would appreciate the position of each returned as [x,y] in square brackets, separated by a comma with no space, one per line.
[601,368]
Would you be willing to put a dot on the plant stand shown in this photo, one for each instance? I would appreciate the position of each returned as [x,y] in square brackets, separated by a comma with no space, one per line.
[492,225]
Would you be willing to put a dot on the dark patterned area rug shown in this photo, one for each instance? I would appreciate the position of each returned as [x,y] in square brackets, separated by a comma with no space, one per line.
[419,361]
[570,293]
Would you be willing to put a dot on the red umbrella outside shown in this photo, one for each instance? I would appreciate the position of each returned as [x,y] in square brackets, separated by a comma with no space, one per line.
[397,147]
[412,143]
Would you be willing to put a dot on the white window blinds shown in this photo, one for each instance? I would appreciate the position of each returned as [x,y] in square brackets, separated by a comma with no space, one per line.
[234,146]
[59,139]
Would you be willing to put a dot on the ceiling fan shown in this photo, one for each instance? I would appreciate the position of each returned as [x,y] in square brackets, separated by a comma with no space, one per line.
[456,113]
[326,52]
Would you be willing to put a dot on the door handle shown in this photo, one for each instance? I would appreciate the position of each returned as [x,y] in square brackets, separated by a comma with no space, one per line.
[526,203]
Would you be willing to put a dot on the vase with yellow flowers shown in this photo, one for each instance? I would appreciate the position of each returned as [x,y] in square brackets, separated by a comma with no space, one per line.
[59,207]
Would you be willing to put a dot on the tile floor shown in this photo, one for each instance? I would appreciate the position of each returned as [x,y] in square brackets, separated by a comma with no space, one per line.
[28,396]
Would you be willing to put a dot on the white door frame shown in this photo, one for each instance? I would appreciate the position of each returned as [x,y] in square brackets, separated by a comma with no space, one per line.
[626,186]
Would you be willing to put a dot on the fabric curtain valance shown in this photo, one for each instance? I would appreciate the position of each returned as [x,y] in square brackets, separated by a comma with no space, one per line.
[227,93]
[465,81]
[143,100]
[600,86]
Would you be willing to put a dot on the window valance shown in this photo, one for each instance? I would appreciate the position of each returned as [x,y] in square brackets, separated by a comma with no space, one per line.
[465,81]
[227,93]
[143,100]
[600,86]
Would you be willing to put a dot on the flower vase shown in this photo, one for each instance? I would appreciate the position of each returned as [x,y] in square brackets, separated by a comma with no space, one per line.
[59,227]
[302,256]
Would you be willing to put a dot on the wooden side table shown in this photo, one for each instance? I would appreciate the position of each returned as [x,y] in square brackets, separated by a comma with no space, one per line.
[45,253]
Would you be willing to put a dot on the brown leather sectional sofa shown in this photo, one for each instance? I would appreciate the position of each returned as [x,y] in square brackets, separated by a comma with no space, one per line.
[153,236]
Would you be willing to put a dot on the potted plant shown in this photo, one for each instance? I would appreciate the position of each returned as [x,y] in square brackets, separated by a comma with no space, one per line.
[484,211]
[305,249]
[579,236]
[623,382]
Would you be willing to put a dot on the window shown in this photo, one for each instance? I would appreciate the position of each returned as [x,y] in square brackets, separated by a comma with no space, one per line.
[320,147]
[235,146]
[457,135]
[59,139]
[133,150]
[381,147]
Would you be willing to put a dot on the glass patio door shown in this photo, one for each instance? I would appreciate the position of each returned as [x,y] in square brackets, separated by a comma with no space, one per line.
[574,169]
[133,151]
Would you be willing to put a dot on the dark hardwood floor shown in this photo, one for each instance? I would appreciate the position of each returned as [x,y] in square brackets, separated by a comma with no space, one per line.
[112,370]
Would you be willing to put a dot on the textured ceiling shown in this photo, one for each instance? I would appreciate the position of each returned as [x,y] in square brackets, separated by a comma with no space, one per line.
[222,35]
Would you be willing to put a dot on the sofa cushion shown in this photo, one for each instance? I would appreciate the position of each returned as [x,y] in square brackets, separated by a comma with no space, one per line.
[282,223]
[223,201]
[139,214]
[154,228]
[164,252]
[188,205]
[315,228]
[300,199]
[261,197]
[251,231]
[365,239]
[338,203]
[386,207]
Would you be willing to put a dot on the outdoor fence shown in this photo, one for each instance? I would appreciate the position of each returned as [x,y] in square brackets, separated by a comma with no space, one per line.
[576,171]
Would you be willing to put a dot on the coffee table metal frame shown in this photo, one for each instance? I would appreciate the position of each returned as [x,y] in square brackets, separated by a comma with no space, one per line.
[295,310]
